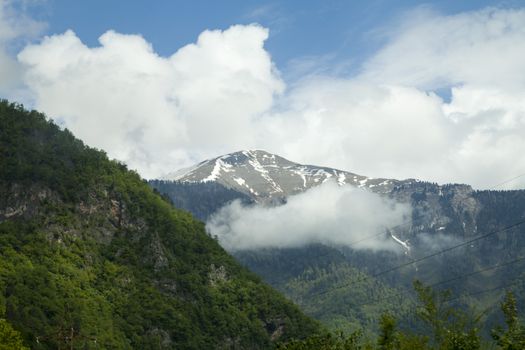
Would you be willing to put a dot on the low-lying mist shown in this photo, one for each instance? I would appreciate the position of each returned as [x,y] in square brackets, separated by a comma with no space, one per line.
[327,214]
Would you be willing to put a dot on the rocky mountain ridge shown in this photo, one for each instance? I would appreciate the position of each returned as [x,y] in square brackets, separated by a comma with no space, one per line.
[442,215]
[269,178]
[265,176]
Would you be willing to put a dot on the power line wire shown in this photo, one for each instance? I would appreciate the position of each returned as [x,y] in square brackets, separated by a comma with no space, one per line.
[426,257]
[450,248]
[485,290]
[422,216]
[493,267]
[437,253]
[391,228]
[507,181]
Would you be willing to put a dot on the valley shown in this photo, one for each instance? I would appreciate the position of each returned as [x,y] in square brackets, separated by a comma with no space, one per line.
[344,285]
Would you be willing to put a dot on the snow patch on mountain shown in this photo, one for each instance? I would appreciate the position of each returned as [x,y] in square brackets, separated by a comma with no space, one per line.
[265,176]
[404,244]
[240,181]
[220,165]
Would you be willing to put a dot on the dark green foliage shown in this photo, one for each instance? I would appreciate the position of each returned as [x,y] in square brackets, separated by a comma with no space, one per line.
[390,338]
[319,279]
[200,199]
[443,327]
[304,273]
[387,335]
[442,217]
[10,339]
[328,342]
[449,327]
[91,257]
[513,338]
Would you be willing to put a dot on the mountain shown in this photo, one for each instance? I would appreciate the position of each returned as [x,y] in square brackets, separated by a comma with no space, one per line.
[91,257]
[265,177]
[256,176]
[322,279]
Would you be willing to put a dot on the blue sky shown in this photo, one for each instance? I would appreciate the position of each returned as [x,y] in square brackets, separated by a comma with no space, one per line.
[395,89]
[336,30]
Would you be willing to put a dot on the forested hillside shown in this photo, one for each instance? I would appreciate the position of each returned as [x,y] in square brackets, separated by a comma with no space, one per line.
[200,199]
[91,257]
[347,287]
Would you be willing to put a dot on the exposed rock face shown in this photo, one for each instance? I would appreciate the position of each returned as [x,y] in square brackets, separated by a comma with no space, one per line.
[439,208]
[217,275]
[88,247]
[23,202]
[99,216]
[268,177]
[442,217]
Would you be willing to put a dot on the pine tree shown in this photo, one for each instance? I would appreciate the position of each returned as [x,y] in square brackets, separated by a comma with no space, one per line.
[514,337]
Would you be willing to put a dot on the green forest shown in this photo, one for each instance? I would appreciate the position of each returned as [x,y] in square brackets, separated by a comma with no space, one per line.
[338,286]
[91,257]
[442,327]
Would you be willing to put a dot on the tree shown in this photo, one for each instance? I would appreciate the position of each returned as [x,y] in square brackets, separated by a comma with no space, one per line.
[10,339]
[392,339]
[387,333]
[328,341]
[514,337]
[451,328]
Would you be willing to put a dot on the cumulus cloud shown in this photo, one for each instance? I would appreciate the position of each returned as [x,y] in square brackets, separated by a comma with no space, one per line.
[370,129]
[388,122]
[155,113]
[326,214]
[223,93]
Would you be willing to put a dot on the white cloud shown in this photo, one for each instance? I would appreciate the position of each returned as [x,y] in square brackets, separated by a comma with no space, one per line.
[429,50]
[375,130]
[155,113]
[14,26]
[223,94]
[9,71]
[384,122]
[326,214]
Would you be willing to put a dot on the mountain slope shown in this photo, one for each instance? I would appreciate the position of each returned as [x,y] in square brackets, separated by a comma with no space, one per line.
[265,176]
[200,199]
[442,216]
[91,257]
[269,179]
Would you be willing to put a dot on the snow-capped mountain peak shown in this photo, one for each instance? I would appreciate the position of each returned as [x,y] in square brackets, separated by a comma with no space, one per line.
[265,176]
